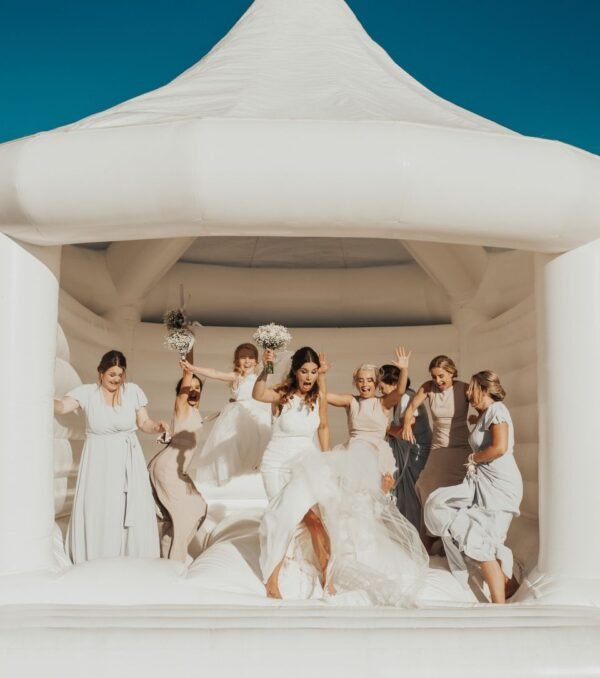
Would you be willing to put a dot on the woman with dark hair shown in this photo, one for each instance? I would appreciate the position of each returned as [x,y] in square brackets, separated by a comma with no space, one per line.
[113,510]
[449,406]
[236,442]
[473,518]
[410,457]
[182,507]
[299,407]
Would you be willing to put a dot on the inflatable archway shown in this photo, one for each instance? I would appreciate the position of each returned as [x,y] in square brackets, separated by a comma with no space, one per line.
[296,125]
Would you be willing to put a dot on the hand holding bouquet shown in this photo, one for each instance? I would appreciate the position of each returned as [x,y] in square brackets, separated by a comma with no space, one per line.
[179,337]
[272,337]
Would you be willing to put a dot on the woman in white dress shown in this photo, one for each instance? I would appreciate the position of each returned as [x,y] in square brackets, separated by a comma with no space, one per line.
[473,518]
[299,409]
[113,512]
[182,507]
[238,437]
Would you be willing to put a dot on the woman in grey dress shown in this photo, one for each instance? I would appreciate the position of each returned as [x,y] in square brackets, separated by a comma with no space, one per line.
[410,457]
[113,511]
[473,518]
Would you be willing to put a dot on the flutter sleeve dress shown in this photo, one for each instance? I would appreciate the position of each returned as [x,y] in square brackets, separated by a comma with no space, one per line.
[473,518]
[113,511]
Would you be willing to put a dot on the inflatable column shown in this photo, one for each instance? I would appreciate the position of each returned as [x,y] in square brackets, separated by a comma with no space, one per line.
[568,336]
[28,316]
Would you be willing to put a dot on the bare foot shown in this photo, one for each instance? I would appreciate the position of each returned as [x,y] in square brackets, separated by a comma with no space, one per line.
[272,586]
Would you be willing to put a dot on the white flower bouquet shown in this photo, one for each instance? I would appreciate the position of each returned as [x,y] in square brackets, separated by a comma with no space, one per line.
[179,337]
[274,337]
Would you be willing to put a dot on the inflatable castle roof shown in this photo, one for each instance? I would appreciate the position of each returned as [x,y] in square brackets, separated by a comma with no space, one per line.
[297,124]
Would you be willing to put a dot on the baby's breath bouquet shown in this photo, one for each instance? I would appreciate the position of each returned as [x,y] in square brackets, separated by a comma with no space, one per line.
[179,337]
[274,337]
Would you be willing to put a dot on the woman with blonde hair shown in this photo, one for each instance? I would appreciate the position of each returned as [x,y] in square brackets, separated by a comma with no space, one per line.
[473,518]
[449,406]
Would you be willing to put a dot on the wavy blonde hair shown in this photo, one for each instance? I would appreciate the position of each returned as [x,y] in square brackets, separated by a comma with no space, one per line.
[483,383]
[366,367]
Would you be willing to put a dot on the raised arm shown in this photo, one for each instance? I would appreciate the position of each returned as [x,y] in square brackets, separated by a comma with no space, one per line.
[339,400]
[65,405]
[261,391]
[208,372]
[181,401]
[401,361]
[323,431]
[408,419]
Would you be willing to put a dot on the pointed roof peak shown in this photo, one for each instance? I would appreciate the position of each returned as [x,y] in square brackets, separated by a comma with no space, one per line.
[293,59]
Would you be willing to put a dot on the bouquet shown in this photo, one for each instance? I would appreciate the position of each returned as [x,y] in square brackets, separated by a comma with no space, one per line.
[274,337]
[179,337]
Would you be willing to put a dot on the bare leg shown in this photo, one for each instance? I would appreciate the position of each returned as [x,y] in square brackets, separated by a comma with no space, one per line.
[272,584]
[495,579]
[321,544]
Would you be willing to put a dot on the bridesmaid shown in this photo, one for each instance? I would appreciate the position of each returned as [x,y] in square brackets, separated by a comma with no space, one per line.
[182,507]
[473,518]
[449,407]
[410,458]
[113,512]
[368,413]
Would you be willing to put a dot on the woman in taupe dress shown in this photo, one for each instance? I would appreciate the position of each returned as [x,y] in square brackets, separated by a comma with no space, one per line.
[182,508]
[449,407]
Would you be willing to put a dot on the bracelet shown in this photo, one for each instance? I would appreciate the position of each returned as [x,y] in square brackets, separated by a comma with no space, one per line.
[471,459]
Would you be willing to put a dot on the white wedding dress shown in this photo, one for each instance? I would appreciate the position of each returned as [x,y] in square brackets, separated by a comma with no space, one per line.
[235,444]
[376,555]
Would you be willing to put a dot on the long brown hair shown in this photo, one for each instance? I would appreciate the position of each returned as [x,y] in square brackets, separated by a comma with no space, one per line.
[303,355]
[445,363]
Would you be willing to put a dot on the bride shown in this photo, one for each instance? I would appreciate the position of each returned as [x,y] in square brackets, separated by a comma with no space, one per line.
[299,407]
[361,545]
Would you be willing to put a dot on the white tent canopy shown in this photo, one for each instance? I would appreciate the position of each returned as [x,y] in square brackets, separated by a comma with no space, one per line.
[277,115]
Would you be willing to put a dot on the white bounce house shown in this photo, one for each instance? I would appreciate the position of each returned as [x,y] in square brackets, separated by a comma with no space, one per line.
[296,174]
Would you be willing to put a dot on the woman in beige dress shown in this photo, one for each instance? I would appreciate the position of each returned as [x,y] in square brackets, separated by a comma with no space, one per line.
[449,406]
[182,507]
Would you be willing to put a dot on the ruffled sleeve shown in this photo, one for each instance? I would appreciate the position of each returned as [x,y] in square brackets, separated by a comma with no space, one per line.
[81,394]
[136,395]
[497,413]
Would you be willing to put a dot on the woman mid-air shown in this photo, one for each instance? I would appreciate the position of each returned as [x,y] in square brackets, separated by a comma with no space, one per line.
[181,505]
[473,518]
[299,409]
[449,406]
[238,437]
[374,549]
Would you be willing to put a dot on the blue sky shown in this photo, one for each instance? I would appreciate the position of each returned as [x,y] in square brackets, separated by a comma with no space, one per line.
[532,65]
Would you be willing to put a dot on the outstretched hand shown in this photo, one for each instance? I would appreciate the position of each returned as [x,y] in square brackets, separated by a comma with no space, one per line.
[402,358]
[161,427]
[325,366]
